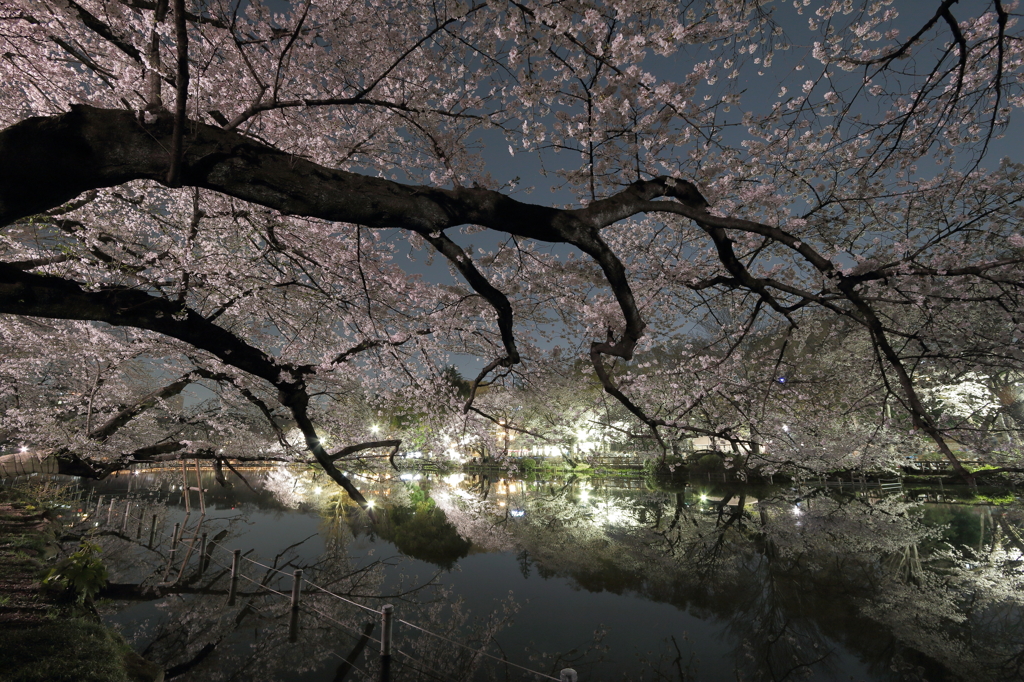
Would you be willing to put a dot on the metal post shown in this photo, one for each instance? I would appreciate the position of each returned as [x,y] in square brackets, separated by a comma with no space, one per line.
[99,505]
[174,539]
[110,510]
[142,521]
[170,555]
[202,554]
[152,531]
[387,614]
[234,576]
[127,514]
[293,625]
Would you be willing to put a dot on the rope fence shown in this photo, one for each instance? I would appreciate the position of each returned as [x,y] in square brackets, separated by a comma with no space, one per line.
[206,556]
[351,664]
[429,671]
[476,651]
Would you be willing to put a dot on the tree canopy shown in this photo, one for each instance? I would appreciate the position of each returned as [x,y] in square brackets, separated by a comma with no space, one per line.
[245,194]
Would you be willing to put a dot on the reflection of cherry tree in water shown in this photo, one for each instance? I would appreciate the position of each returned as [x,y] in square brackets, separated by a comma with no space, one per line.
[199,637]
[961,605]
[791,577]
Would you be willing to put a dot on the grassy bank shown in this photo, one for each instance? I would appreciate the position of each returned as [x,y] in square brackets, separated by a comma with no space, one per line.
[47,638]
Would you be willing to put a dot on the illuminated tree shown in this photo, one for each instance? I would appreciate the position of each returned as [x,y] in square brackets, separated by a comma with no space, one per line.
[244,183]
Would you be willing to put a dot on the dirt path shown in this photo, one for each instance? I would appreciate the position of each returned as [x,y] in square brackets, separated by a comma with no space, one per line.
[27,538]
[44,641]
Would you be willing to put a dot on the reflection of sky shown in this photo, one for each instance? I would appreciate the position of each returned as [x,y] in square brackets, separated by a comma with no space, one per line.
[558,610]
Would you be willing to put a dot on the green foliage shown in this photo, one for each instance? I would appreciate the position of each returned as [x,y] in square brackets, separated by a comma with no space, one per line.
[82,574]
[422,531]
[709,464]
[529,465]
[959,525]
[997,499]
[34,494]
[453,378]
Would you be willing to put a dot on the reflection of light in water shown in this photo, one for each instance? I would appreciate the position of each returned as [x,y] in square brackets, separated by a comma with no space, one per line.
[608,513]
[454,479]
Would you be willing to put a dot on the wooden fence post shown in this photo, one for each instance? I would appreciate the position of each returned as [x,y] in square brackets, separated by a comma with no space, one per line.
[184,487]
[199,487]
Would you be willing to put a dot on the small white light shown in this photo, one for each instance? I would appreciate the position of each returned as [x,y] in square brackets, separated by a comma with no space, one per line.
[318,490]
[785,428]
[369,503]
[24,448]
[374,429]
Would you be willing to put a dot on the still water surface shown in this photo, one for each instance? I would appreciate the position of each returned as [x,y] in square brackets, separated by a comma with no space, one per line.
[619,582]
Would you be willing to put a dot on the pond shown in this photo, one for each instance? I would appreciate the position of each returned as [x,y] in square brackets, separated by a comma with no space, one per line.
[495,578]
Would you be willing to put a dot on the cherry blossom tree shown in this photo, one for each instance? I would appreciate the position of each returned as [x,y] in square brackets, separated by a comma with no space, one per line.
[240,186]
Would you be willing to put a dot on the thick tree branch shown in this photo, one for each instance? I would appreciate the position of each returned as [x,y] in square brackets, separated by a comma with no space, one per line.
[359,447]
[181,94]
[24,293]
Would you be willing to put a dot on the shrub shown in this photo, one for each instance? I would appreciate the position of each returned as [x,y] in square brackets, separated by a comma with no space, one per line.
[710,463]
[82,575]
